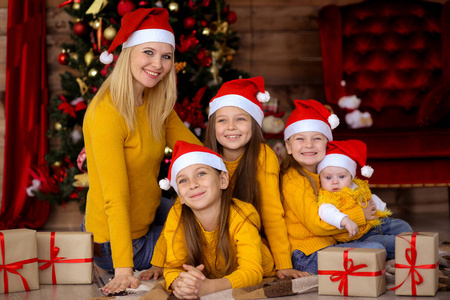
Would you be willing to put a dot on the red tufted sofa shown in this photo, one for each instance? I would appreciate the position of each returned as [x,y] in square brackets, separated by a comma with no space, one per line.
[395,56]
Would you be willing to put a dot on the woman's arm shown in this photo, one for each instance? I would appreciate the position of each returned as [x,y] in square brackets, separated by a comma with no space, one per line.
[176,130]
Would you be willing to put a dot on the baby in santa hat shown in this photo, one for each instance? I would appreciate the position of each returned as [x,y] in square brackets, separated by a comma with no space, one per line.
[341,190]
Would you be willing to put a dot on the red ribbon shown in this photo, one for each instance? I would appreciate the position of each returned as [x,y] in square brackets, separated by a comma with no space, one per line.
[13,267]
[411,257]
[55,259]
[349,270]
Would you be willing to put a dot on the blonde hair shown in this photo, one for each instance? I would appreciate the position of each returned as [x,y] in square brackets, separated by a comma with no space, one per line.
[160,99]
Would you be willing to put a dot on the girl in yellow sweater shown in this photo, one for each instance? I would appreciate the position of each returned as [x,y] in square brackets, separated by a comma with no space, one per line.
[234,131]
[307,131]
[212,240]
[126,128]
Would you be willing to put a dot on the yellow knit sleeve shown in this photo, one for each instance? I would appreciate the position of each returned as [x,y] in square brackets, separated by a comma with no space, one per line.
[176,130]
[272,212]
[105,132]
[245,235]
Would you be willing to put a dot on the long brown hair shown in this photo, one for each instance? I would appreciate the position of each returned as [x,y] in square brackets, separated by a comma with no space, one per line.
[289,162]
[194,237]
[244,189]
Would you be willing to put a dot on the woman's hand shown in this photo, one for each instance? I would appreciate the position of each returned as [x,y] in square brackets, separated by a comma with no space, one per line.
[153,273]
[291,273]
[123,279]
[370,210]
[186,285]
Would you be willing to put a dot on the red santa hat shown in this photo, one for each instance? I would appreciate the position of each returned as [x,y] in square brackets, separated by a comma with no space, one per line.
[141,26]
[346,154]
[246,94]
[310,115]
[186,154]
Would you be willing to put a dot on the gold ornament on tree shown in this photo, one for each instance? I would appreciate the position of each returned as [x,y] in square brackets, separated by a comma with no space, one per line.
[173,6]
[83,87]
[89,57]
[58,126]
[92,72]
[56,164]
[76,5]
[167,151]
[74,56]
[110,33]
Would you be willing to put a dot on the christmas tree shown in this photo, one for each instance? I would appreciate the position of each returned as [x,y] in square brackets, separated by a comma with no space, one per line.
[205,48]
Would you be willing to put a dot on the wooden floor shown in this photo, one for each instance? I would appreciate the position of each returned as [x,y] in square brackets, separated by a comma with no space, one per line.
[434,222]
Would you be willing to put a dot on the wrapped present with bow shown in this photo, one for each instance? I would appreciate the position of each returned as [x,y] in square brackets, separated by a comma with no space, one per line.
[65,257]
[416,263]
[18,262]
[352,271]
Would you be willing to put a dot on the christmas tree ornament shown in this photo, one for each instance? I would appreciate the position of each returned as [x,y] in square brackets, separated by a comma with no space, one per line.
[231,17]
[76,5]
[73,55]
[81,28]
[167,152]
[63,58]
[82,85]
[125,6]
[92,72]
[173,6]
[89,57]
[206,31]
[93,89]
[58,126]
[56,164]
[96,7]
[143,3]
[110,33]
[189,22]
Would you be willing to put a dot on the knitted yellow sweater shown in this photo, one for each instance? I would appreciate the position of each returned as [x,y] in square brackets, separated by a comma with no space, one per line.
[272,212]
[123,167]
[306,231]
[253,258]
[347,199]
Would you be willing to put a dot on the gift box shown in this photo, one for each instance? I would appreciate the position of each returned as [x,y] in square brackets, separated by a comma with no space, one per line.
[416,263]
[352,271]
[18,262]
[65,257]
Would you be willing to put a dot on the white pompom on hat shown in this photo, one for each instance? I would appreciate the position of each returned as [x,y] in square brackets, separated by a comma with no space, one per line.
[141,26]
[246,94]
[310,115]
[186,154]
[346,154]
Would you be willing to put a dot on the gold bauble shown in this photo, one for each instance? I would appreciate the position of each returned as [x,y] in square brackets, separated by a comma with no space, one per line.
[206,31]
[214,70]
[56,164]
[58,126]
[73,55]
[173,6]
[92,72]
[168,151]
[96,24]
[76,5]
[89,57]
[230,57]
[110,33]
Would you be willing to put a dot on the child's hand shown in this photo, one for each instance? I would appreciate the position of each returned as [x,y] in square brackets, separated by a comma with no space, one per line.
[291,273]
[153,273]
[123,279]
[186,285]
[370,210]
[351,226]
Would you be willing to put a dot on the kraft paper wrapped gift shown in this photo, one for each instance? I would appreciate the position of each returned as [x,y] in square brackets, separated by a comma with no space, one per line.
[416,263]
[352,271]
[65,257]
[18,261]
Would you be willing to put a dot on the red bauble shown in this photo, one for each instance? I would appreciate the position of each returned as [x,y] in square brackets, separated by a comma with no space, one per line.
[125,6]
[189,23]
[143,3]
[63,58]
[81,28]
[231,17]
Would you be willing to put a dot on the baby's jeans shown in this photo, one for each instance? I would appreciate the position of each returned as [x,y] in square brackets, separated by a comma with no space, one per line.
[142,247]
[385,234]
[308,263]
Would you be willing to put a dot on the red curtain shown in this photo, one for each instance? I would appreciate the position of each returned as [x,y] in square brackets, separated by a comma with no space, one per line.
[26,113]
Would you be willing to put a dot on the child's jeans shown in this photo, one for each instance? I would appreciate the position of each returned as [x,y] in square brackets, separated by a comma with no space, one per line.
[142,247]
[308,263]
[385,234]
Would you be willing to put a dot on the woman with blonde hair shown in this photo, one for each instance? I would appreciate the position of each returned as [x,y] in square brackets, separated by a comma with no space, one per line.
[126,128]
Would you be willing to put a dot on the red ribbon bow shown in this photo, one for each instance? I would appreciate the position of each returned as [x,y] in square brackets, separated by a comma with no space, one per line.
[349,270]
[13,267]
[55,259]
[411,257]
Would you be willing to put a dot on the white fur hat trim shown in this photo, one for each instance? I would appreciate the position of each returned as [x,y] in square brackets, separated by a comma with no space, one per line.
[106,57]
[333,120]
[367,171]
[164,184]
[263,97]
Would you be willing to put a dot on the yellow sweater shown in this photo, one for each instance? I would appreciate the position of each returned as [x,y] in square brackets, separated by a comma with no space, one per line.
[272,212]
[348,198]
[306,231]
[123,168]
[253,258]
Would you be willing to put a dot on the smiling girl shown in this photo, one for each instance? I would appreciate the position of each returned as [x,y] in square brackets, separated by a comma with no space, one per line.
[234,131]
[307,131]
[212,240]
[126,128]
